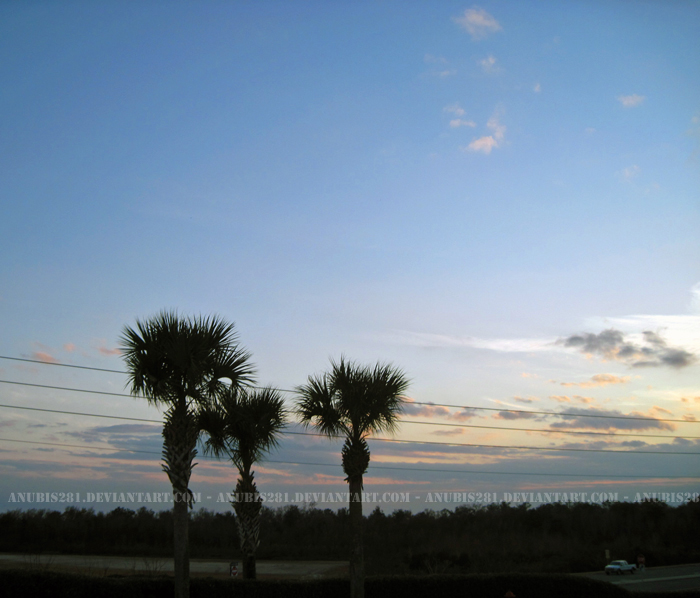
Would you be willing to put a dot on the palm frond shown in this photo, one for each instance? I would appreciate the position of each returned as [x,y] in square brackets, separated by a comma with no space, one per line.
[245,425]
[353,399]
[316,406]
[169,357]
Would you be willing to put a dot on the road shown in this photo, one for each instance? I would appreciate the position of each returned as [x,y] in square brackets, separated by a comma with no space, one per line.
[656,579]
[678,577]
[106,565]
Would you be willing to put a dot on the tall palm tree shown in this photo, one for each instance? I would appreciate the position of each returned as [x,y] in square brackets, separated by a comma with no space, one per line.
[182,364]
[244,425]
[354,401]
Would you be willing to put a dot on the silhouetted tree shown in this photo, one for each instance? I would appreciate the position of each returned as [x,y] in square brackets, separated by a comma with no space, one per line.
[354,401]
[244,425]
[182,364]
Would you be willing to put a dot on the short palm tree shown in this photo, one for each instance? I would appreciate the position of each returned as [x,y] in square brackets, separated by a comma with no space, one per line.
[244,425]
[354,401]
[182,364]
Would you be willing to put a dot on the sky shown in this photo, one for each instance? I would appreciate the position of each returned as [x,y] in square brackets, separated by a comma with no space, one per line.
[502,199]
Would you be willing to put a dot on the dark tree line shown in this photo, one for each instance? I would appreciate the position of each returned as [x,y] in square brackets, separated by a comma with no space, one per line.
[493,538]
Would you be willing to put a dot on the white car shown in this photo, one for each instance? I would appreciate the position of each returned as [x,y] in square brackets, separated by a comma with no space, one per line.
[619,567]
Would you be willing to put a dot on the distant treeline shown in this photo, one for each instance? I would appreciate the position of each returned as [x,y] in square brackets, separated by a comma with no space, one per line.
[557,537]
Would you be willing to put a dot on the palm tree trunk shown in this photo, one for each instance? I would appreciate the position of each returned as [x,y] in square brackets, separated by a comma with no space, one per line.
[179,441]
[181,549]
[355,456]
[357,562]
[247,508]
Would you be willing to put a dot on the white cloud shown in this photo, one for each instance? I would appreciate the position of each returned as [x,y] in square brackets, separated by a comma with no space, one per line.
[488,142]
[478,23]
[458,111]
[483,144]
[630,172]
[631,101]
[447,72]
[499,130]
[678,330]
[460,122]
[695,298]
[505,345]
[455,109]
[537,88]
[430,59]
[488,64]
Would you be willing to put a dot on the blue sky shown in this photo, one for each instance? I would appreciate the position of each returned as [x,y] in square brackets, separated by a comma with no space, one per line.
[474,192]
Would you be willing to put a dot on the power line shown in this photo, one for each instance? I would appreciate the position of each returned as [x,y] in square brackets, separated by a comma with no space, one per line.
[79,446]
[403,421]
[135,419]
[428,404]
[455,444]
[407,421]
[94,392]
[467,408]
[397,440]
[63,365]
[566,475]
[128,396]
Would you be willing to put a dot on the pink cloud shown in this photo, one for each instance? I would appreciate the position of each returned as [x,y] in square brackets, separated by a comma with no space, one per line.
[511,415]
[431,411]
[463,415]
[483,144]
[107,351]
[599,380]
[576,418]
[487,143]
[453,432]
[43,356]
[560,398]
[425,410]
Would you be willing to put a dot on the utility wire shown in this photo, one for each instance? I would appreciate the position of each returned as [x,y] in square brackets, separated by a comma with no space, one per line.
[94,392]
[408,421]
[500,446]
[461,471]
[63,365]
[133,419]
[467,408]
[624,417]
[463,407]
[398,440]
[402,421]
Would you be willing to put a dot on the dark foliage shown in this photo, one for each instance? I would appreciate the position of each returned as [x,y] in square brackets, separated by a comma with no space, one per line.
[24,584]
[553,538]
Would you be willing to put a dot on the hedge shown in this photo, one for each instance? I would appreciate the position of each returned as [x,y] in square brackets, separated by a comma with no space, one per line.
[22,583]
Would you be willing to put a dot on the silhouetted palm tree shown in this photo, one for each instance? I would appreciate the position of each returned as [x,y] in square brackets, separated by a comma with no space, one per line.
[354,401]
[182,364]
[244,425]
